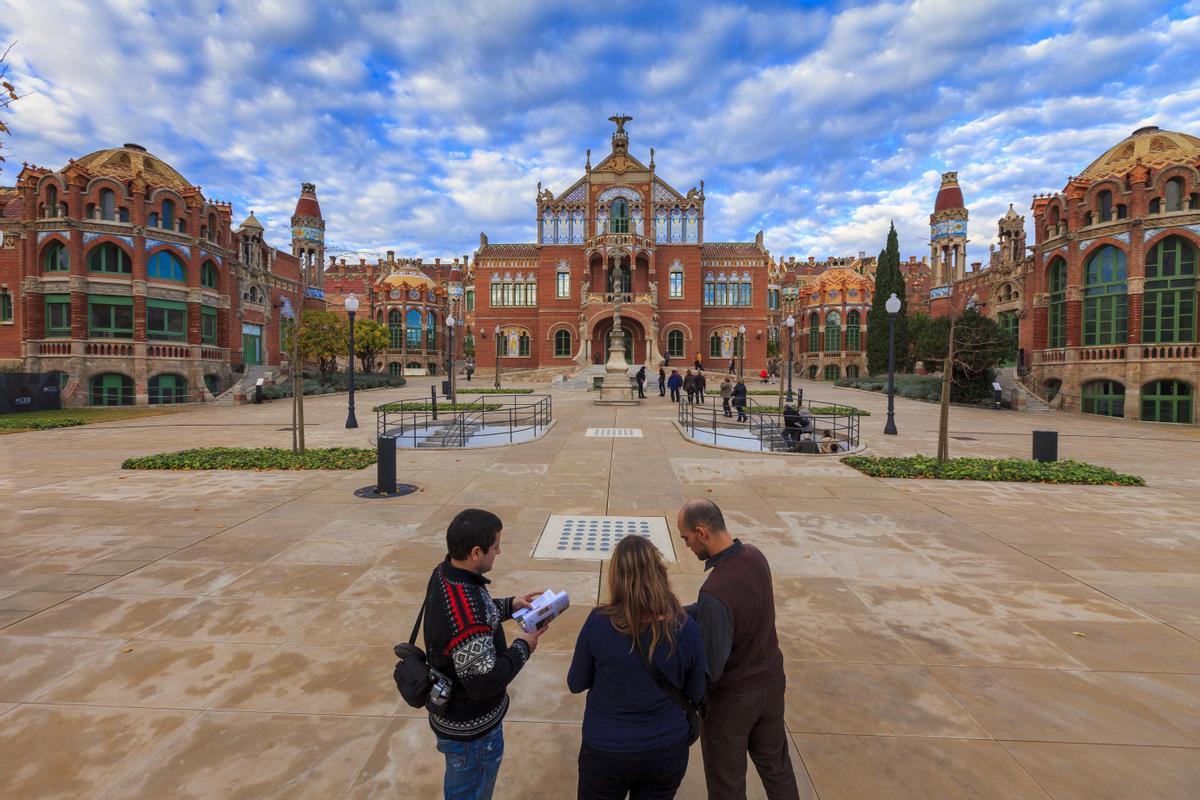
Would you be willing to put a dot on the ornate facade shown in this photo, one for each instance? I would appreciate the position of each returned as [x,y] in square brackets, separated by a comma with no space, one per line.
[831,325]
[117,274]
[623,233]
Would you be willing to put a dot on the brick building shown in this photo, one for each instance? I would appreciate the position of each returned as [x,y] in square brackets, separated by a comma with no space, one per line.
[117,274]
[618,230]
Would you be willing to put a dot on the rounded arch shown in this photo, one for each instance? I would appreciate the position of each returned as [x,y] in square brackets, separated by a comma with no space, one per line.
[1105,184]
[111,389]
[167,193]
[563,342]
[165,264]
[92,188]
[559,326]
[1104,241]
[108,255]
[1187,235]
[55,254]
[210,276]
[1190,175]
[167,388]
[628,193]
[1103,396]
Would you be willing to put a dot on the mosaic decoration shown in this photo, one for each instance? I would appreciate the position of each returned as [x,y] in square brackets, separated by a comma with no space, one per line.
[576,195]
[939,291]
[89,236]
[693,226]
[315,293]
[636,221]
[662,194]
[660,226]
[676,226]
[152,243]
[220,259]
[577,227]
[949,227]
[1151,232]
[1120,237]
[608,195]
[251,330]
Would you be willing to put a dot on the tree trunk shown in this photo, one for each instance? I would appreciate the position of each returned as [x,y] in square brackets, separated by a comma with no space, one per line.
[943,445]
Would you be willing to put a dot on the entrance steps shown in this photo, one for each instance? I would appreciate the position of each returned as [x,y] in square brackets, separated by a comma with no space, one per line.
[1022,398]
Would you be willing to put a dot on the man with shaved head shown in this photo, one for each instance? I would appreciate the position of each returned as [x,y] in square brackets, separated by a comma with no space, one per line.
[744,697]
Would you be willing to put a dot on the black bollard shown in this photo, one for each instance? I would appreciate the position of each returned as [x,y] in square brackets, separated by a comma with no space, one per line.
[1045,446]
[433,399]
[385,465]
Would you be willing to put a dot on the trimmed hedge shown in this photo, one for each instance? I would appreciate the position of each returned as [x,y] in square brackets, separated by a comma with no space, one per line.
[427,406]
[1016,470]
[334,383]
[256,458]
[845,411]
[40,423]
[914,387]
[461,390]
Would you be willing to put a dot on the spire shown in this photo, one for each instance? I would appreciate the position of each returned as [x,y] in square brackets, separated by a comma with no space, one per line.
[950,195]
[307,205]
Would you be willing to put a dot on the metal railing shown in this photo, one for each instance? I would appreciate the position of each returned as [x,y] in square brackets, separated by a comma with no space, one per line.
[437,423]
[765,427]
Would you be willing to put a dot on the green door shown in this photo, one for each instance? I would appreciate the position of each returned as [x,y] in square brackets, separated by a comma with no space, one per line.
[252,344]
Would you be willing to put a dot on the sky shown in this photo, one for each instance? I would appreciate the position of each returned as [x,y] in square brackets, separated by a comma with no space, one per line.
[424,124]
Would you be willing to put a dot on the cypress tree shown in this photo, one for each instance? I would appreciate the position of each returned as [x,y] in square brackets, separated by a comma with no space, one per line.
[888,280]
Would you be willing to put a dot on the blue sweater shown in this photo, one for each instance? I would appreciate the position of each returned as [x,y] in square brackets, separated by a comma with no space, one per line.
[626,711]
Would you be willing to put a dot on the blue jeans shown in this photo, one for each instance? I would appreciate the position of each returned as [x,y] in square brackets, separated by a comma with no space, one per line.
[472,767]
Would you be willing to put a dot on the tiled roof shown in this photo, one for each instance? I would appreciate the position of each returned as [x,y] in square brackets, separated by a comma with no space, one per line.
[1155,148]
[518,250]
[730,248]
[124,162]
[10,202]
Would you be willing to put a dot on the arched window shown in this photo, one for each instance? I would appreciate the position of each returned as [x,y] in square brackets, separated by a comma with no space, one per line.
[1056,279]
[675,343]
[1169,302]
[853,336]
[1052,218]
[1167,401]
[1103,206]
[833,332]
[108,204]
[832,372]
[1106,398]
[852,370]
[523,344]
[253,294]
[395,329]
[431,330]
[212,227]
[412,329]
[167,219]
[562,283]
[714,345]
[1105,308]
[208,275]
[814,333]
[395,368]
[109,258]
[56,258]
[112,389]
[619,216]
[812,372]
[1173,195]
[167,390]
[562,344]
[165,266]
[51,201]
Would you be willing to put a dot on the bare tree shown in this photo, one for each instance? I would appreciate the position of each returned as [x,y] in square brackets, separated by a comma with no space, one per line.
[8,92]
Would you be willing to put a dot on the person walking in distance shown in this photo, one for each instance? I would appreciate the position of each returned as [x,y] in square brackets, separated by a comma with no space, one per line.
[701,385]
[745,690]
[739,400]
[473,662]
[726,395]
[635,736]
[641,382]
[674,383]
[662,381]
[689,386]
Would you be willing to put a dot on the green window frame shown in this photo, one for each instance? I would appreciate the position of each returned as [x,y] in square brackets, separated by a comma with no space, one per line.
[832,372]
[814,333]
[469,299]
[395,330]
[6,307]
[166,320]
[714,346]
[852,370]
[1169,299]
[853,334]
[166,266]
[1106,398]
[167,389]
[110,317]
[208,275]
[1105,302]
[58,316]
[111,389]
[395,368]
[208,326]
[833,332]
[618,221]
[562,344]
[495,298]
[1056,335]
[523,345]
[56,257]
[675,343]
[109,258]
[1167,401]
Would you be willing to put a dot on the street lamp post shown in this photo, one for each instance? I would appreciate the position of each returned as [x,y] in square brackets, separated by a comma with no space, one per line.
[892,305]
[497,337]
[791,326]
[351,307]
[450,361]
[741,352]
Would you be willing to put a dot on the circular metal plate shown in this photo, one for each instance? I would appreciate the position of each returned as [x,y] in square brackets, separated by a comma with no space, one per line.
[369,493]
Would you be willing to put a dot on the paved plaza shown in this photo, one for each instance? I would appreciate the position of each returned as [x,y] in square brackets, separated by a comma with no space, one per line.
[228,634]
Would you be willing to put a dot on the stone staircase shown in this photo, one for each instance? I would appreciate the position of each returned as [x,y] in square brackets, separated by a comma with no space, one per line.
[243,389]
[1022,398]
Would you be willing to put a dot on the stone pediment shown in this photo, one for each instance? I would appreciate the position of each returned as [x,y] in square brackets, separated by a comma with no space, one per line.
[620,163]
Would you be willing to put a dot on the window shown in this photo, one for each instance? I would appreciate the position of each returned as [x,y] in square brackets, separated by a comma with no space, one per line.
[675,343]
[1106,398]
[1104,300]
[412,329]
[1010,323]
[772,298]
[166,320]
[394,368]
[853,327]
[1173,195]
[722,295]
[812,372]
[852,370]
[51,201]
[108,204]
[165,266]
[832,372]
[814,333]
[110,317]
[168,215]
[562,344]
[714,345]
[469,298]
[747,295]
[167,389]
[431,329]
[56,258]
[619,218]
[1057,317]
[523,344]
[211,233]
[58,316]
[208,275]
[6,307]
[208,326]
[833,332]
[395,330]
[112,389]
[109,258]
[1169,302]
[710,294]
[562,284]
[1103,206]
[252,294]
[676,283]
[1167,401]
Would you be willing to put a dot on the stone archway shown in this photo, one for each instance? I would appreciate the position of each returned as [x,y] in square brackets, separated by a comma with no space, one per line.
[636,341]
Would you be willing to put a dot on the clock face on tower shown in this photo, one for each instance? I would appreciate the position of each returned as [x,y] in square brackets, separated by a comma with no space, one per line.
[307,233]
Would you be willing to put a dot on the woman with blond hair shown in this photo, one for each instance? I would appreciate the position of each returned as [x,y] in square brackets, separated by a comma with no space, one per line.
[641,660]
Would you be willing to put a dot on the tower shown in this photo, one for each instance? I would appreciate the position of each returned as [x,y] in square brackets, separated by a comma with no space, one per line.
[948,233]
[308,236]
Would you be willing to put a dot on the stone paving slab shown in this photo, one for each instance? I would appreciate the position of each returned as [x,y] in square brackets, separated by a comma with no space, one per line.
[221,635]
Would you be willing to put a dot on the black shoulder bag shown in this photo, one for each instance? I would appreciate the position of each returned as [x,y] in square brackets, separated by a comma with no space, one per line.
[691,710]
[412,670]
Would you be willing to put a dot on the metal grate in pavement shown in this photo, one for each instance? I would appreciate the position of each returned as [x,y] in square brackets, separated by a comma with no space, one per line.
[594,537]
[615,433]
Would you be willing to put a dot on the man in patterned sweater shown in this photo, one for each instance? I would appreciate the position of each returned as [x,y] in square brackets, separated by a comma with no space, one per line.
[465,642]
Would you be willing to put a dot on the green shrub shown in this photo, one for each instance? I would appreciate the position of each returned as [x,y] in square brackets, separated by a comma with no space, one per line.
[1016,470]
[39,423]
[411,405]
[256,458]
[334,383]
[490,390]
[845,411]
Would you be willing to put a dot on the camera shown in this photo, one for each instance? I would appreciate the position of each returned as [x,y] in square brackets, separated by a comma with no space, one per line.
[439,690]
